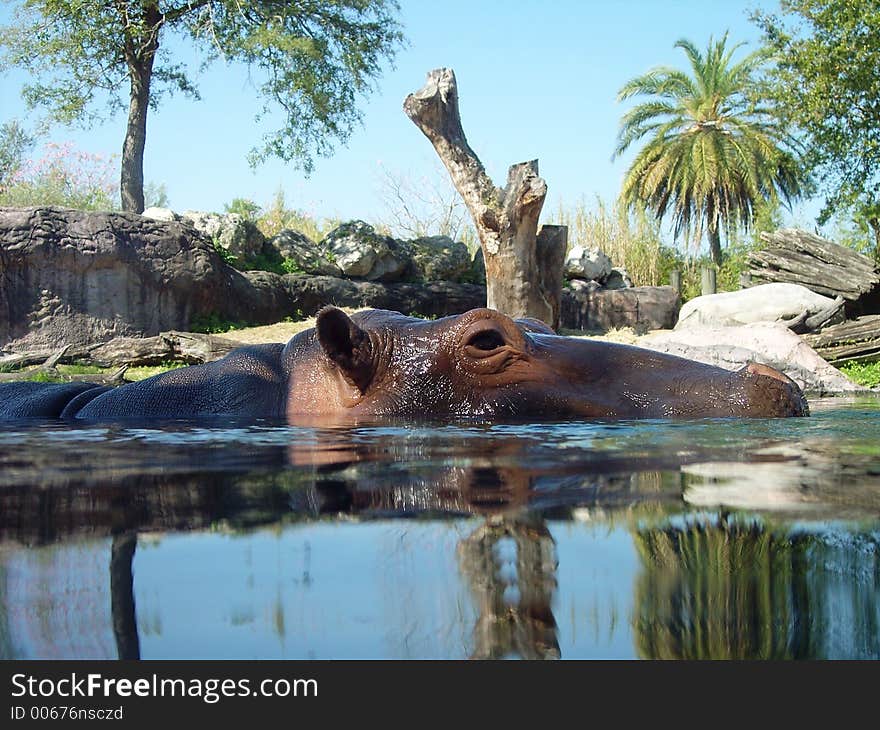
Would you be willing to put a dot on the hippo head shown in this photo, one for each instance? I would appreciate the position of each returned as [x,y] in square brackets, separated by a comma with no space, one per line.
[483,364]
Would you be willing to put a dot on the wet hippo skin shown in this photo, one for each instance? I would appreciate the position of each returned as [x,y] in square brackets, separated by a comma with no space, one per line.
[480,364]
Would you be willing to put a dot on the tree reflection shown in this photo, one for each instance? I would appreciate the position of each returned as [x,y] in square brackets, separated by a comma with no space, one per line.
[122,596]
[509,564]
[726,587]
[710,585]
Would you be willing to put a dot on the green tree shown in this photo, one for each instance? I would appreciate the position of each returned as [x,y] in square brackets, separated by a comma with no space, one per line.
[243,207]
[311,59]
[712,154]
[15,144]
[826,83]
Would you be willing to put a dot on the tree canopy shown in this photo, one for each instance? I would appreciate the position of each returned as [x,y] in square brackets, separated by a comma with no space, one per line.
[827,55]
[15,143]
[712,155]
[311,60]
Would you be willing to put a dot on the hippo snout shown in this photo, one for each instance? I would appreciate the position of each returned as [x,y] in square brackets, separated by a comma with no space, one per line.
[772,393]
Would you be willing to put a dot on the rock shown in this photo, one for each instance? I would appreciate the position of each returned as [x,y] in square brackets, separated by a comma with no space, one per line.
[232,231]
[304,252]
[584,285]
[764,303]
[590,308]
[160,214]
[74,277]
[361,253]
[618,279]
[764,342]
[439,258]
[587,263]
[79,278]
[433,299]
[262,297]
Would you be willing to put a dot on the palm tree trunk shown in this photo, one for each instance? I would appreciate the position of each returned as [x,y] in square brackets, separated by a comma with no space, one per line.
[715,244]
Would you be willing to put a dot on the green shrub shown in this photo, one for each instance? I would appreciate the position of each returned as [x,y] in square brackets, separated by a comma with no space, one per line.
[212,324]
[867,374]
[244,207]
[278,217]
[228,258]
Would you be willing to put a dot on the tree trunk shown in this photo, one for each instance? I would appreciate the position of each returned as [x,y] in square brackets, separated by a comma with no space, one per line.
[875,228]
[550,246]
[506,219]
[131,187]
[715,244]
[141,44]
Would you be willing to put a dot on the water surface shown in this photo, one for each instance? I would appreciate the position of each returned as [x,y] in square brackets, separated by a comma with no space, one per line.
[710,538]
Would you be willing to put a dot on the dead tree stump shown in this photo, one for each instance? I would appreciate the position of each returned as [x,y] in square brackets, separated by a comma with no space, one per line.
[520,281]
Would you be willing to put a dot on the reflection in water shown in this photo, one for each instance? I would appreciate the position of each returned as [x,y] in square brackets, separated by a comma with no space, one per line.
[695,540]
[122,596]
[722,587]
[510,566]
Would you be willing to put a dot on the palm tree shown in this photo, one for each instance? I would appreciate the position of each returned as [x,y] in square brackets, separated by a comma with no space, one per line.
[712,153]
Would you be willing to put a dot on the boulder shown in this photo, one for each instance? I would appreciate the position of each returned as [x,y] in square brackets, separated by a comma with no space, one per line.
[590,308]
[361,253]
[432,299]
[439,258]
[584,285]
[618,279]
[587,263]
[776,302]
[160,214]
[304,252]
[75,277]
[763,342]
[232,231]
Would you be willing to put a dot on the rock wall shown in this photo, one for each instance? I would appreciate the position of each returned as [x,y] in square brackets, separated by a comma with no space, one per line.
[599,310]
[72,276]
[80,278]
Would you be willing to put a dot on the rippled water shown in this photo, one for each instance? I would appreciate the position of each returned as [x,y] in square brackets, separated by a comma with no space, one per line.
[691,539]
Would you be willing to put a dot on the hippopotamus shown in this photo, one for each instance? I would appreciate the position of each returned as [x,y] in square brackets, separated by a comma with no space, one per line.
[480,364]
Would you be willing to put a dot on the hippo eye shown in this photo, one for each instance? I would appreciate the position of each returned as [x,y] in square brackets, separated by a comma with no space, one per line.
[486,341]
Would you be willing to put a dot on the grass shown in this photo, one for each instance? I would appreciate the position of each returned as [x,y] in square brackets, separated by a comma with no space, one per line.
[866,374]
[148,371]
[80,369]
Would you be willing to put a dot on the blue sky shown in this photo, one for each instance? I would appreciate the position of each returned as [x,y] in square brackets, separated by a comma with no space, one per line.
[536,80]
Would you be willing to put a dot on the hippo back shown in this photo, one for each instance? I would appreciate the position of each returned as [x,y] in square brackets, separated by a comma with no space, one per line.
[249,382]
[43,400]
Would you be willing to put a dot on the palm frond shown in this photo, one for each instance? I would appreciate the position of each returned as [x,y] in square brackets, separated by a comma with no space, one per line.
[710,152]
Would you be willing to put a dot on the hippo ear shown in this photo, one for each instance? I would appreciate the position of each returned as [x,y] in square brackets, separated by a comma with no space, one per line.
[346,345]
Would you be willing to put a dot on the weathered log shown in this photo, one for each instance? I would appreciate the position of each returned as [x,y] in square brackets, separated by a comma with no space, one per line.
[55,358]
[114,378]
[9,363]
[804,323]
[800,257]
[506,219]
[188,347]
[856,340]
